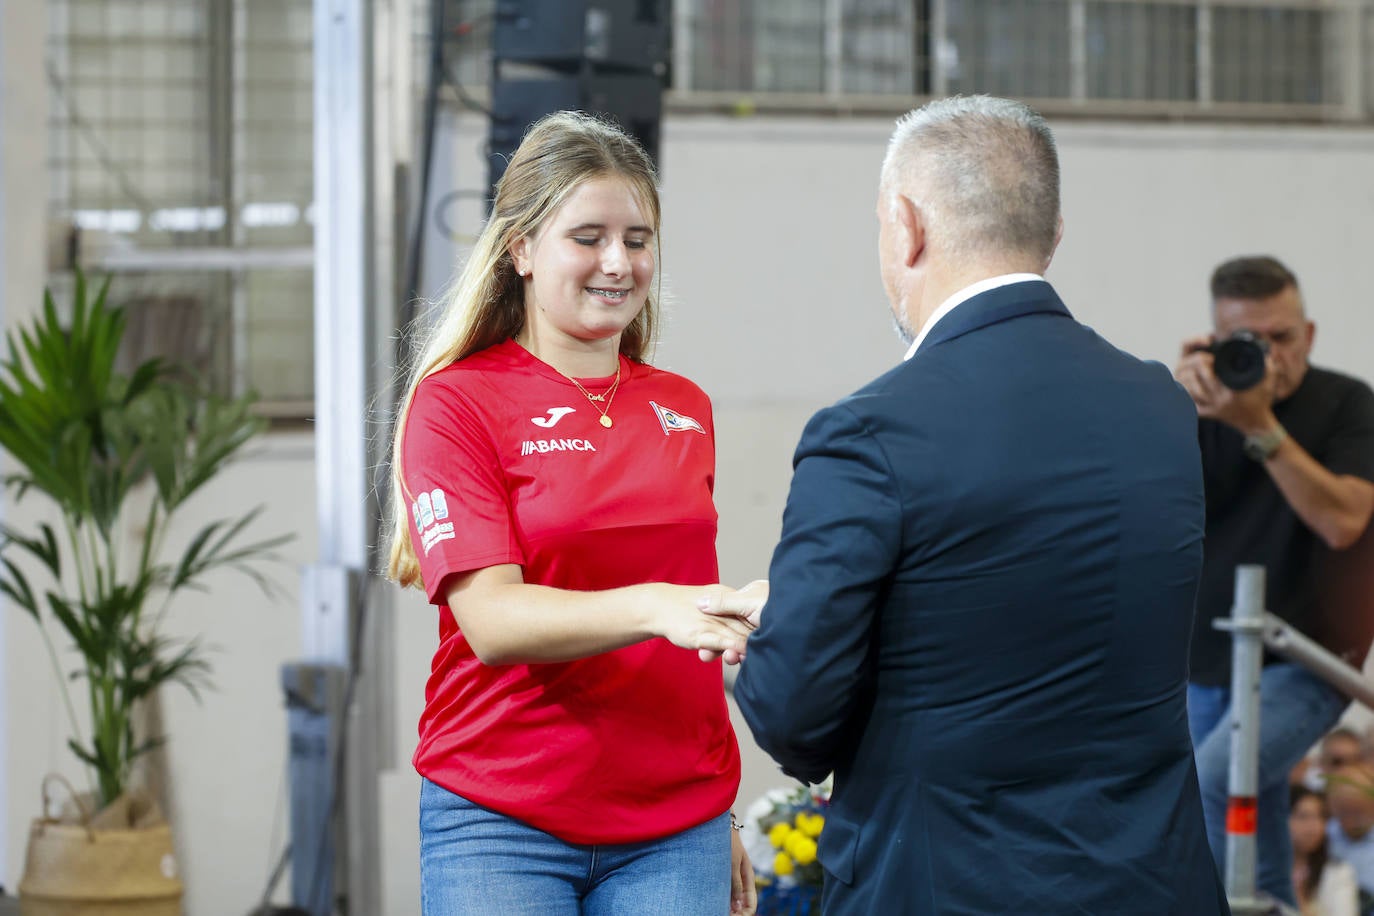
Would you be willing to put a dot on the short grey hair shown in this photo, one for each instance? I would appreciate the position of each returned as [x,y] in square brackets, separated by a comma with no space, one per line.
[985,172]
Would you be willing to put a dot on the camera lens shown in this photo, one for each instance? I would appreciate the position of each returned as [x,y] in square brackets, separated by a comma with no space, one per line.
[1239,360]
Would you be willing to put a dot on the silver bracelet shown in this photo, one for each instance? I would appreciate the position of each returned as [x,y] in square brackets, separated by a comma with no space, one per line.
[734,822]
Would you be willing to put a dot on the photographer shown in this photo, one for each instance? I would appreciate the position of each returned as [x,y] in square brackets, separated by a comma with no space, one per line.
[1288,460]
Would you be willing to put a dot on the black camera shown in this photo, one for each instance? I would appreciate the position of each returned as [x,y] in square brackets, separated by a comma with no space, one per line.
[1238,361]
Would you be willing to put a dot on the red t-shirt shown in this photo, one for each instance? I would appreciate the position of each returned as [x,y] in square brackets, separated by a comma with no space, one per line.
[505,461]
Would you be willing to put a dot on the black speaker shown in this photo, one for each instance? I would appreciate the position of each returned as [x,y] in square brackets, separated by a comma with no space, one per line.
[634,101]
[627,35]
[604,57]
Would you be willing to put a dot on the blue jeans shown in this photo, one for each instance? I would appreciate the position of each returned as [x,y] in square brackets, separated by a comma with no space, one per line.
[476,861]
[1296,709]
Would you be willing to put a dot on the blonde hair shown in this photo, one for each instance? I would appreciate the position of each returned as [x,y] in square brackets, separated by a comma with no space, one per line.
[486,305]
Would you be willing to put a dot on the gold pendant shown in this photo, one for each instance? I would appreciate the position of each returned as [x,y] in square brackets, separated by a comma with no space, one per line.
[606,421]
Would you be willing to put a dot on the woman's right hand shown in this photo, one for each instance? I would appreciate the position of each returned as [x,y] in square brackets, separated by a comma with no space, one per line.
[744,604]
[509,622]
[679,618]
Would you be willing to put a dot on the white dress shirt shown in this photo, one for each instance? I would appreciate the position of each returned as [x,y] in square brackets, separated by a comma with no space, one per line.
[963,295]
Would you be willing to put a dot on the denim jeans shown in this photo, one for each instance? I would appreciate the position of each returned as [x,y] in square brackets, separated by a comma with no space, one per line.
[476,861]
[1296,709]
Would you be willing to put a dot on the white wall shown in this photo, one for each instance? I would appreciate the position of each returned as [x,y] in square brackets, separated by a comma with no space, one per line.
[770,241]
[227,752]
[776,308]
[23,218]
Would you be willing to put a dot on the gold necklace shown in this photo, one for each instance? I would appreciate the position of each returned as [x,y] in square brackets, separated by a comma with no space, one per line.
[607,396]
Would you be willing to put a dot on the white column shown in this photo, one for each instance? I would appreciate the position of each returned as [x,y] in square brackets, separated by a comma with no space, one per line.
[23,232]
[343,282]
[354,153]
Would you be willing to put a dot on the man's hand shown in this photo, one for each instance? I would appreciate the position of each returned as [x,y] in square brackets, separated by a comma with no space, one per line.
[1251,411]
[745,604]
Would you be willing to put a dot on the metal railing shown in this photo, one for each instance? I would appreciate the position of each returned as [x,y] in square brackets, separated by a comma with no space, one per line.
[1252,630]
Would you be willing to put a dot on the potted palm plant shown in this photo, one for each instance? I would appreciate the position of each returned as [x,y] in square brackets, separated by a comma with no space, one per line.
[117,456]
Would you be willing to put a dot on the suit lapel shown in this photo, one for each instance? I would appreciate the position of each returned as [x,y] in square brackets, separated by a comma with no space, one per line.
[993,306]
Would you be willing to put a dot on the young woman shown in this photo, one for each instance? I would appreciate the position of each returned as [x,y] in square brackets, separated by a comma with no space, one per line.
[577,757]
[1325,886]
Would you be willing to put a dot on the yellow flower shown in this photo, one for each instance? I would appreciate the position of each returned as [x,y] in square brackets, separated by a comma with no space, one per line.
[810,824]
[778,835]
[782,865]
[802,848]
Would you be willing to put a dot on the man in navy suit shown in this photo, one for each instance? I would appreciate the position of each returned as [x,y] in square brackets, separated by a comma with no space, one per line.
[981,601]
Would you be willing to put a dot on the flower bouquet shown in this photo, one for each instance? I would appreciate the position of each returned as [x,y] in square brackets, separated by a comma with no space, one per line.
[780,832]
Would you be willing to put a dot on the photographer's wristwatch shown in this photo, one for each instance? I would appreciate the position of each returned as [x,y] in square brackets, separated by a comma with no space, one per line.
[1263,446]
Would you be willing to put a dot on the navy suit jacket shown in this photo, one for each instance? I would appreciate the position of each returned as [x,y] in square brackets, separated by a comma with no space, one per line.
[978,619]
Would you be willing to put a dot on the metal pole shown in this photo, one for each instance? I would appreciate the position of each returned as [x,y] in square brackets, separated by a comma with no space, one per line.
[1243,786]
[1296,647]
[1251,630]
[833,41]
[939,42]
[684,21]
[1078,50]
[1203,50]
[1352,60]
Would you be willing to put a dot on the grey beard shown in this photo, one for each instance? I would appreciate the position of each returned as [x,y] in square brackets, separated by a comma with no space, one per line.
[904,333]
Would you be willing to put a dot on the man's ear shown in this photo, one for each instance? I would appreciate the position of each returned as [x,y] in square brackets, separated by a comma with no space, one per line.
[913,229]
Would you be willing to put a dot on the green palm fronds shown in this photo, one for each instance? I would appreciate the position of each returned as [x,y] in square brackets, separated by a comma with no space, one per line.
[88,438]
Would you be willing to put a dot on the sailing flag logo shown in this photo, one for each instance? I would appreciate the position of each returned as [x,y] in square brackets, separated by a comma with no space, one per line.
[674,422]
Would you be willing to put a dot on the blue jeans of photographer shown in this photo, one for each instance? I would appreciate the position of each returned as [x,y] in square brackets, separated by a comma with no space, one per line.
[1296,709]
[476,861]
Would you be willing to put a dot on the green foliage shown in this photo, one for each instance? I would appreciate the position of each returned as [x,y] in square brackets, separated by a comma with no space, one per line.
[87,437]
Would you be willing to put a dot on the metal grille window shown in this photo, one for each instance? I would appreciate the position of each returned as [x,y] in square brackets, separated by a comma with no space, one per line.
[1007,47]
[885,47]
[1140,51]
[181,130]
[1272,54]
[1250,58]
[789,41]
[758,45]
[181,165]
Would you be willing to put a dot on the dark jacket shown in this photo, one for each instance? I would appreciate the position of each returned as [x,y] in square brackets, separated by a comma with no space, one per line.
[979,619]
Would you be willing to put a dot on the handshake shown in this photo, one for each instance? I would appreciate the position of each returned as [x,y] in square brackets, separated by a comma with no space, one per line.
[726,617]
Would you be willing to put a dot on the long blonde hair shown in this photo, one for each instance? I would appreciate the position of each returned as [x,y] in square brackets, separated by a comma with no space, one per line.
[486,304]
